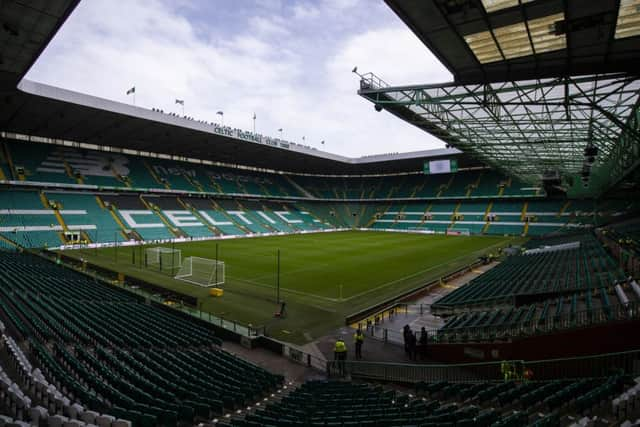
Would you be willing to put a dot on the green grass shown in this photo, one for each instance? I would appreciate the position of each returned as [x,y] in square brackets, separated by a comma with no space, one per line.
[323,277]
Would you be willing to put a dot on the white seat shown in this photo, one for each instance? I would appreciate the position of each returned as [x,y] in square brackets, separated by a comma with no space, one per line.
[105,420]
[89,417]
[38,413]
[56,421]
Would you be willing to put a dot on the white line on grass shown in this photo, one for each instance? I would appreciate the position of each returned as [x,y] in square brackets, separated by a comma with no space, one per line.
[265,285]
[392,282]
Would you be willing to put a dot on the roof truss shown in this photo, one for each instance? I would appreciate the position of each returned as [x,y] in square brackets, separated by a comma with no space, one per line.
[525,128]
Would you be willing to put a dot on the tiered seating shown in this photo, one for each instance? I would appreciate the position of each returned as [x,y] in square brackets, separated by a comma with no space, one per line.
[586,267]
[25,220]
[40,162]
[462,184]
[481,403]
[213,217]
[326,213]
[518,188]
[108,349]
[103,227]
[322,403]
[573,310]
[473,217]
[135,215]
[489,184]
[173,173]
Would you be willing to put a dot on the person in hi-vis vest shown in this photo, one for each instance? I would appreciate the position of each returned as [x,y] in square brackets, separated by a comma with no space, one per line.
[340,354]
[358,337]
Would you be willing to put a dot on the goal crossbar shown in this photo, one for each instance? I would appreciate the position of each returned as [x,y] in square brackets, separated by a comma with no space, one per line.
[203,272]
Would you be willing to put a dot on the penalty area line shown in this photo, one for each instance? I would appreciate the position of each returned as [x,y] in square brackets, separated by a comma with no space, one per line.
[393,282]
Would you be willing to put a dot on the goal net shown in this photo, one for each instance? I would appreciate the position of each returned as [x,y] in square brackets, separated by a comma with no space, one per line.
[459,232]
[202,271]
[163,258]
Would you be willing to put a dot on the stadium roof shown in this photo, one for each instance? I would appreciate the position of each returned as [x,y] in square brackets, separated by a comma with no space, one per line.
[45,111]
[483,41]
[522,101]
[41,110]
[26,27]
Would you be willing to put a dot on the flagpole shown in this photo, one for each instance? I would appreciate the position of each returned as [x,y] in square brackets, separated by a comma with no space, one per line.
[134,98]
[254,123]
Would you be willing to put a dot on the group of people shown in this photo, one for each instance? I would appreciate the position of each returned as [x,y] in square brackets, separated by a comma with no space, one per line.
[414,344]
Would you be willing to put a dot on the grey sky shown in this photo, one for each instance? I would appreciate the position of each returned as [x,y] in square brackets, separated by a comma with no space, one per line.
[288,61]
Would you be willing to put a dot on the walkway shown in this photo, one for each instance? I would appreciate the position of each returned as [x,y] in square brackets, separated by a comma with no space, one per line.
[391,322]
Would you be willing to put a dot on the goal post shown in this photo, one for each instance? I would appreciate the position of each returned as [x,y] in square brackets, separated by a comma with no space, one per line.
[163,258]
[202,271]
[459,232]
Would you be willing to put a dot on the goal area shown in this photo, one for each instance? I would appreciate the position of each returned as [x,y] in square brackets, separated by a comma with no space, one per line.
[459,232]
[163,258]
[203,272]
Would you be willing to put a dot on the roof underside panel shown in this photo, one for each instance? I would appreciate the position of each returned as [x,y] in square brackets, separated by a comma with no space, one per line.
[482,41]
[26,27]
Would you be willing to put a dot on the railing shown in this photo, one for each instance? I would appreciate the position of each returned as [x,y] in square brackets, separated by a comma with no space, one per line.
[395,306]
[580,319]
[575,367]
[301,357]
[371,81]
[407,373]
[87,269]
[490,333]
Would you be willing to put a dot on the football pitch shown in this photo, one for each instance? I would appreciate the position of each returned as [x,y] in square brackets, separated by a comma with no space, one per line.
[323,276]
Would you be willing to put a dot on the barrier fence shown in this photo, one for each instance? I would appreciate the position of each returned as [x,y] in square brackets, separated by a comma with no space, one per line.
[524,328]
[543,370]
[147,292]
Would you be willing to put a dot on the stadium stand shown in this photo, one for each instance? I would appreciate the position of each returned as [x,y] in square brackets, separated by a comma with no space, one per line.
[25,219]
[67,165]
[101,226]
[110,350]
[586,267]
[479,403]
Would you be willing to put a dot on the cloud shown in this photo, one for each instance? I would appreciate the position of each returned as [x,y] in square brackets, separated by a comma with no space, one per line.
[305,11]
[268,27]
[290,63]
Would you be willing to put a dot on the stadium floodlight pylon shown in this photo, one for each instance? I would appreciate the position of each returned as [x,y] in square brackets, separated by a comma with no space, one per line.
[163,258]
[203,272]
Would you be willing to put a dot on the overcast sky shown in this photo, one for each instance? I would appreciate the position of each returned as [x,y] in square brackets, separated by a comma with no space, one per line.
[289,61]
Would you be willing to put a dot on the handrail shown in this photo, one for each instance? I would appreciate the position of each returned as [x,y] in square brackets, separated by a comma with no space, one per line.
[602,365]
[489,333]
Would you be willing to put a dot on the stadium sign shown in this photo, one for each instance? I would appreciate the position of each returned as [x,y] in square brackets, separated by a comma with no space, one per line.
[440,166]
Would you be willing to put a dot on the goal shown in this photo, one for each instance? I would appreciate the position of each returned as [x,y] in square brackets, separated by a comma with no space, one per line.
[202,271]
[459,232]
[163,258]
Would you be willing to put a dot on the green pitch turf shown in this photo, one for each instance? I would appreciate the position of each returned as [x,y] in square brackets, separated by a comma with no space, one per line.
[323,277]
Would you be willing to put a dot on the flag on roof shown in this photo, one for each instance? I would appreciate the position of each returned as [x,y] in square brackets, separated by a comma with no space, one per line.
[132,90]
